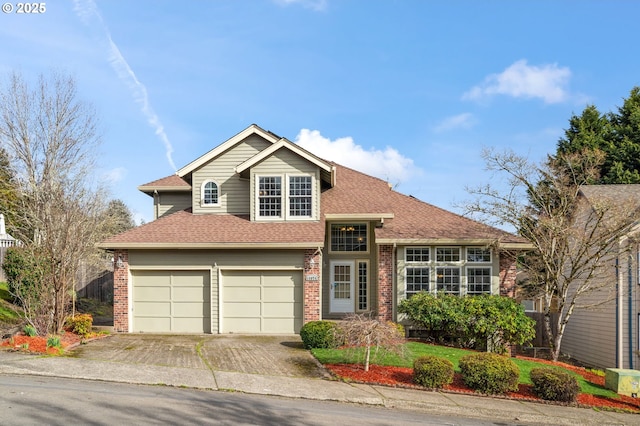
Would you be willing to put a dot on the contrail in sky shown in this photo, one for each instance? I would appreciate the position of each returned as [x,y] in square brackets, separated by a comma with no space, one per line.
[88,12]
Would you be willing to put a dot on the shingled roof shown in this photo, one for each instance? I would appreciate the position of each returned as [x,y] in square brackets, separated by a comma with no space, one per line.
[355,195]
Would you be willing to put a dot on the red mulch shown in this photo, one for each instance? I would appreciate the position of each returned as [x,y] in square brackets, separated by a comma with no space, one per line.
[403,377]
[38,344]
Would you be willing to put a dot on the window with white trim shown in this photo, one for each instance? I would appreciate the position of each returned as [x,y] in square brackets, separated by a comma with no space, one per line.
[478,254]
[448,254]
[210,193]
[300,193]
[349,237]
[416,254]
[478,281]
[270,196]
[448,280]
[363,281]
[416,280]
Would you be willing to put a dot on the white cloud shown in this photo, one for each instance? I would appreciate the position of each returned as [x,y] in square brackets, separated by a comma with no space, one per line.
[89,14]
[460,121]
[115,175]
[317,5]
[520,80]
[387,164]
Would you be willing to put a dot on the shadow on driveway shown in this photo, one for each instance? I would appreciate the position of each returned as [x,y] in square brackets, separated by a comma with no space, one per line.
[279,355]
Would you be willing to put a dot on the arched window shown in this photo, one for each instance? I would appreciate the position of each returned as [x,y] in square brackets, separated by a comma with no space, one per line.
[210,194]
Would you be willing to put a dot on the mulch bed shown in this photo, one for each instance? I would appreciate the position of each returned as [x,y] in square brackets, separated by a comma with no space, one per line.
[403,377]
[38,344]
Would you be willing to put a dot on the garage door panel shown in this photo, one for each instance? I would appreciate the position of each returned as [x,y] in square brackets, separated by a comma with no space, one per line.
[242,309]
[188,279]
[190,309]
[274,280]
[241,294]
[285,310]
[153,324]
[279,294]
[171,301]
[158,294]
[156,309]
[189,294]
[262,301]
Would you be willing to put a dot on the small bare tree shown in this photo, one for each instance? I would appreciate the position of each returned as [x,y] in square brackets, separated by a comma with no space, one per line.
[572,240]
[51,138]
[361,330]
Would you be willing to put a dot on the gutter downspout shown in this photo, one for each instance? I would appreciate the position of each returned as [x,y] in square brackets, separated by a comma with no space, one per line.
[394,284]
[619,324]
[630,311]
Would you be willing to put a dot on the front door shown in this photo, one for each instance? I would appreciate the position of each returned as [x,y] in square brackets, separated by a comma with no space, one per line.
[342,288]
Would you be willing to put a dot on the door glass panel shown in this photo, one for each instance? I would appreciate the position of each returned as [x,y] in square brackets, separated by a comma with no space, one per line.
[342,282]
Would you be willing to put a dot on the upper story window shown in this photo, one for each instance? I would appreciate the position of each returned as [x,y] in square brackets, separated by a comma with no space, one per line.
[210,193]
[478,254]
[448,254]
[349,237]
[270,196]
[285,197]
[300,192]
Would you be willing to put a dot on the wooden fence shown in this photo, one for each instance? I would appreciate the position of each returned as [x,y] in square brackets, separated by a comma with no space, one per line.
[541,340]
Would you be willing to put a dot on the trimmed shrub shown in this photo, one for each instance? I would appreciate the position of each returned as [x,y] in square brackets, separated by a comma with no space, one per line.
[432,371]
[80,324]
[554,385]
[319,334]
[489,373]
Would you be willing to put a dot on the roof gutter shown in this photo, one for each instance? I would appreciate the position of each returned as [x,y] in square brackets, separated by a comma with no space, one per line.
[195,246]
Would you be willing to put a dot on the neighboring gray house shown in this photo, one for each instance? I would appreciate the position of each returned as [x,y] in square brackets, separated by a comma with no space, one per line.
[607,336]
[260,236]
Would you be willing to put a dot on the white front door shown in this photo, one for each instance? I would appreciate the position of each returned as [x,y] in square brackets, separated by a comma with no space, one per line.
[342,286]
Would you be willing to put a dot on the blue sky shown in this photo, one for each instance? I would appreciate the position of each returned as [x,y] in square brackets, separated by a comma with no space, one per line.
[409,91]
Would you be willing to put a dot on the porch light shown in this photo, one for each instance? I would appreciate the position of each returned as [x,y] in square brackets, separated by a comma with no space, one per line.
[120,262]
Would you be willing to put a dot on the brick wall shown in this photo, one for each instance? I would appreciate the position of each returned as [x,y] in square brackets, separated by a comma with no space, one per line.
[121,292]
[385,282]
[312,268]
[507,275]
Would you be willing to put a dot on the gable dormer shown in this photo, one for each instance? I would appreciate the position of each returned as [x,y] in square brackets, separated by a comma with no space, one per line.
[285,183]
[259,174]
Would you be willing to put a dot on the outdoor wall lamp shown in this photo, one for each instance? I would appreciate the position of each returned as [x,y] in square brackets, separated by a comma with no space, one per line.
[120,262]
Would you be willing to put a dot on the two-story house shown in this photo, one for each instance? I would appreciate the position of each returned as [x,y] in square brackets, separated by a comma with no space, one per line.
[260,236]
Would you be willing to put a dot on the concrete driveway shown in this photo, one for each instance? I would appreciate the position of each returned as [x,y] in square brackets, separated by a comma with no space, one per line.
[268,355]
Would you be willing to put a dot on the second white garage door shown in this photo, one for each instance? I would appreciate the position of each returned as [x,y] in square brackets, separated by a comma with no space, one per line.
[261,301]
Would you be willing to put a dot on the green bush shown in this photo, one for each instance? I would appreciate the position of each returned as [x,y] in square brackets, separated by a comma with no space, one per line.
[319,334]
[30,330]
[54,342]
[80,324]
[489,373]
[554,385]
[484,322]
[432,371]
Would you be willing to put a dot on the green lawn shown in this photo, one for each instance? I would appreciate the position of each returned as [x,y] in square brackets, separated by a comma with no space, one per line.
[413,350]
[7,313]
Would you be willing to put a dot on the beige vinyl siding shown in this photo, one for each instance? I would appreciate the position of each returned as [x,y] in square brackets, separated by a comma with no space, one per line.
[170,202]
[234,191]
[215,261]
[283,163]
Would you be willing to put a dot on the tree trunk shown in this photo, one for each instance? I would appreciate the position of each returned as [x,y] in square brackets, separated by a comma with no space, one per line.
[367,354]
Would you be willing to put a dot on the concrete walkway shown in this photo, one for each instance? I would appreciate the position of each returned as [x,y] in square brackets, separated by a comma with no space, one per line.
[189,361]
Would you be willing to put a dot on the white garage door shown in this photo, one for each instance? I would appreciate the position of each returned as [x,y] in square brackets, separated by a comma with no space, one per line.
[171,301]
[261,301]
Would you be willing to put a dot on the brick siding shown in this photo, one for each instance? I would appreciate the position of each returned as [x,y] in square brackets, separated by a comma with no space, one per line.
[312,268]
[507,276]
[121,292]
[385,282]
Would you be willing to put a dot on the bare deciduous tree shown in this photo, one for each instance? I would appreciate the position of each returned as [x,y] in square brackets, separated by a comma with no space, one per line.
[361,330]
[572,239]
[51,138]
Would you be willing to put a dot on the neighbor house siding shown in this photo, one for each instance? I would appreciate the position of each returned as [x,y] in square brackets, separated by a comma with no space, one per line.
[171,202]
[233,190]
[216,260]
[283,163]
